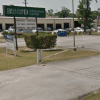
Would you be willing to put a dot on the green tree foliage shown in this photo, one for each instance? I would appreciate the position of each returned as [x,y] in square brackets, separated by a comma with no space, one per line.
[84,13]
[71,15]
[50,12]
[63,13]
[95,14]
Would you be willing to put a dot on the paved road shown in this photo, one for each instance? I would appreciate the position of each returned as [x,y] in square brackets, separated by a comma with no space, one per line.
[65,80]
[90,42]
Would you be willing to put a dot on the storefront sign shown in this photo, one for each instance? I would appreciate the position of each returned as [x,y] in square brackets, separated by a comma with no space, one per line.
[17,11]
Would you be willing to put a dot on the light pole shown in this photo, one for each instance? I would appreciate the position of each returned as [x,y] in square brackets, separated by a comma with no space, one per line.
[74,49]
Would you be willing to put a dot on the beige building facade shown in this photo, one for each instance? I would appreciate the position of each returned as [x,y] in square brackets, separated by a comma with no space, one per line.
[54,23]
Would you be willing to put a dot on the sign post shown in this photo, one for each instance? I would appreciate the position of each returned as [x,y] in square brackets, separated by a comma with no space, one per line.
[15,33]
[10,43]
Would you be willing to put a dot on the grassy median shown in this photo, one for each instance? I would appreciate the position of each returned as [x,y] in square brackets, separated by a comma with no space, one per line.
[26,57]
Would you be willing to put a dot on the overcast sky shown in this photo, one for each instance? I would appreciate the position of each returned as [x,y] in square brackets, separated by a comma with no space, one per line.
[48,4]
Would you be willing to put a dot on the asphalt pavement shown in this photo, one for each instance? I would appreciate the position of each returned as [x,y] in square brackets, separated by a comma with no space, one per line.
[91,42]
[62,80]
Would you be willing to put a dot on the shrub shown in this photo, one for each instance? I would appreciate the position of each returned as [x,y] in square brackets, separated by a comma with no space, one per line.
[68,33]
[75,33]
[41,41]
[4,33]
[80,33]
[90,32]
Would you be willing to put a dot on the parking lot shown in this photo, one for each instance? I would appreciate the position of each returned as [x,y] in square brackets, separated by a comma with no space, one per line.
[90,42]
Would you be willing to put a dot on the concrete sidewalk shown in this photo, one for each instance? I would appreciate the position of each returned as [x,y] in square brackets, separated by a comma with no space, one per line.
[63,80]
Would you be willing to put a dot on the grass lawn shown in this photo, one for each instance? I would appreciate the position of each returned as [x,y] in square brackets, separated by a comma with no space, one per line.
[93,96]
[26,57]
[2,37]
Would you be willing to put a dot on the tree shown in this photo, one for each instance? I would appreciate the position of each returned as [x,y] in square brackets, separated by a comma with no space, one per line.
[63,13]
[95,14]
[71,15]
[84,13]
[50,12]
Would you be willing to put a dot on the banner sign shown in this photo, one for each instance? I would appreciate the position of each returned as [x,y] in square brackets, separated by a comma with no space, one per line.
[26,24]
[10,43]
[18,11]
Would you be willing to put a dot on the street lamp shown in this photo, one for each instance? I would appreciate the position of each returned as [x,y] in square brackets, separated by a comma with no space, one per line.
[74,49]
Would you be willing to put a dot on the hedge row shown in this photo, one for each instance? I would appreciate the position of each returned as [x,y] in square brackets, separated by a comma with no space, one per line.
[41,41]
[19,35]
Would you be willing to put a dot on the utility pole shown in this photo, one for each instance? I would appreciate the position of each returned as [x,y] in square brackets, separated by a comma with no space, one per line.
[25,2]
[74,49]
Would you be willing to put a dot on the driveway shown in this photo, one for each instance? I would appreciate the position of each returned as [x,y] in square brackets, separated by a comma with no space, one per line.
[63,80]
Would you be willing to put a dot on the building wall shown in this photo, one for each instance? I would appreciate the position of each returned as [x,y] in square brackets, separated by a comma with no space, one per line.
[45,21]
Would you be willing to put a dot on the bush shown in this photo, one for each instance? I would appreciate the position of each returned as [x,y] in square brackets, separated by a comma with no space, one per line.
[80,33]
[4,33]
[75,33]
[68,33]
[90,32]
[41,41]
[19,35]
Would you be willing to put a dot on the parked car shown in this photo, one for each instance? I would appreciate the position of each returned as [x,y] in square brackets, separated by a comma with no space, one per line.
[49,28]
[87,30]
[67,30]
[98,31]
[79,30]
[39,30]
[11,29]
[93,29]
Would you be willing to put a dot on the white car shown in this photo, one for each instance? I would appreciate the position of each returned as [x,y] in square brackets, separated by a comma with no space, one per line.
[98,31]
[39,30]
[94,30]
[79,30]
[11,29]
